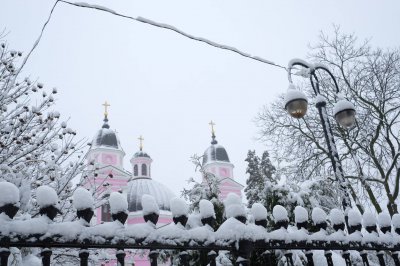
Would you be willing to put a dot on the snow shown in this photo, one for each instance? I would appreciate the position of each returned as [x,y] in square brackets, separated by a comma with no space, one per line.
[46,196]
[103,8]
[82,199]
[354,217]
[259,212]
[384,219]
[300,214]
[294,94]
[9,194]
[149,205]
[396,220]
[179,207]
[342,105]
[336,217]
[235,210]
[31,260]
[118,202]
[318,215]
[206,209]
[231,199]
[280,213]
[320,99]
[369,219]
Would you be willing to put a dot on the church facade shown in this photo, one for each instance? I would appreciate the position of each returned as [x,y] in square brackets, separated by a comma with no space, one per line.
[106,173]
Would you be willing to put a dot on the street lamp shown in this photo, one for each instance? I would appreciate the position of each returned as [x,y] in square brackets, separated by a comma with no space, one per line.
[344,112]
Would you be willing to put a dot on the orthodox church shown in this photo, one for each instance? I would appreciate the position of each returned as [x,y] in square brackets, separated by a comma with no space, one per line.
[106,173]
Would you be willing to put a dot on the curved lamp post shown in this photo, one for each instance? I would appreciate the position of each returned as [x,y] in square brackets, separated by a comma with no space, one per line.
[344,112]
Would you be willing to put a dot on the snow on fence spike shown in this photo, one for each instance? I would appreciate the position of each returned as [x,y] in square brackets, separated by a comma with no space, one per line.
[368,219]
[384,219]
[280,213]
[9,194]
[179,207]
[82,199]
[259,212]
[206,209]
[396,220]
[235,210]
[300,215]
[336,217]
[118,203]
[354,217]
[149,205]
[46,196]
[232,198]
[318,216]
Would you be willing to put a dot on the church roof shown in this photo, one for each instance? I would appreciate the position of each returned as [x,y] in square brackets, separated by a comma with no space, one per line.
[106,137]
[215,153]
[137,187]
[141,154]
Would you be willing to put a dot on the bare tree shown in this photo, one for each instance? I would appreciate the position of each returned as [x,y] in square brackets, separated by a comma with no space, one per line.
[370,78]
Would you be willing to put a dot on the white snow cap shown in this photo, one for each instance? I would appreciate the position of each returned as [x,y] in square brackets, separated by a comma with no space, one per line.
[300,214]
[206,209]
[235,210]
[9,194]
[280,213]
[46,196]
[149,205]
[293,94]
[118,202]
[231,199]
[259,212]
[396,220]
[82,199]
[178,207]
[354,217]
[342,105]
[384,219]
[318,215]
[336,217]
[369,219]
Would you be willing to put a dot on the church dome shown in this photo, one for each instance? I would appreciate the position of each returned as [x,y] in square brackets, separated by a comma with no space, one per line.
[215,153]
[141,154]
[106,137]
[139,186]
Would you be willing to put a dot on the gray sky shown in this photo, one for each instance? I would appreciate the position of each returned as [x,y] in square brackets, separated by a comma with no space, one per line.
[167,87]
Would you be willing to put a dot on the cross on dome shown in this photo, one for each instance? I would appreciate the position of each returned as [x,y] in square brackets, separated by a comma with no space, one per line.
[141,142]
[212,124]
[106,105]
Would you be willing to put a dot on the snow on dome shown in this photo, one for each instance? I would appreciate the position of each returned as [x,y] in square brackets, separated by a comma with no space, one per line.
[280,213]
[235,210]
[9,194]
[231,199]
[82,199]
[46,196]
[300,214]
[294,94]
[384,219]
[396,220]
[149,205]
[259,212]
[106,137]
[141,186]
[336,217]
[369,219]
[118,202]
[354,217]
[179,207]
[215,153]
[318,215]
[206,209]
[342,105]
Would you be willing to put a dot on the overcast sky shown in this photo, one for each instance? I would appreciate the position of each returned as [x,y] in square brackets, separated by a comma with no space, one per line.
[166,87]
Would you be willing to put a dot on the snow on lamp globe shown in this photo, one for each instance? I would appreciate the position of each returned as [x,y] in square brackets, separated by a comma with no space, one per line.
[344,112]
[295,102]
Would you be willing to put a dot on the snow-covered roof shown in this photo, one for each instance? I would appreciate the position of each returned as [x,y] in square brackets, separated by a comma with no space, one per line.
[138,187]
[215,153]
[106,137]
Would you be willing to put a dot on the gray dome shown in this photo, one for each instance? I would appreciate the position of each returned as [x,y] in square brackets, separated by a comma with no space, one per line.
[140,186]
[106,137]
[215,153]
[141,154]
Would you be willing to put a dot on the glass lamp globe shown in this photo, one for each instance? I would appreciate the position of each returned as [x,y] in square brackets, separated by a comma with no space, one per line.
[295,102]
[345,113]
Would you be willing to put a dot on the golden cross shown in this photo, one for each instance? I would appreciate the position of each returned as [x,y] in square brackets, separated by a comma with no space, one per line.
[212,124]
[141,142]
[106,105]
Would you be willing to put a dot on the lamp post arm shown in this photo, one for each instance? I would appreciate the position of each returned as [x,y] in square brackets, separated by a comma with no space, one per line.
[322,67]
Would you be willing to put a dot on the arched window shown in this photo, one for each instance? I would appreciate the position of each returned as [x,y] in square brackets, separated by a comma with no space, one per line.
[144,170]
[135,170]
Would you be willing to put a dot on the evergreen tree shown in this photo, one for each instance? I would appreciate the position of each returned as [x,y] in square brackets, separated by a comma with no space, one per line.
[255,182]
